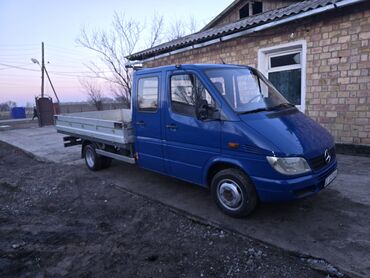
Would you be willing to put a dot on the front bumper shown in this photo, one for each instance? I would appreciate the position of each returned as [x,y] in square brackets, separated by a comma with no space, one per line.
[270,190]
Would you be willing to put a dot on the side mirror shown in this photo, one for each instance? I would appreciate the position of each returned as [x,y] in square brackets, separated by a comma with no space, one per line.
[206,112]
[216,114]
[202,109]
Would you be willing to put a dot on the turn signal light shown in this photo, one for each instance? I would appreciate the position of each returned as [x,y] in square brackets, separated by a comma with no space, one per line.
[233,145]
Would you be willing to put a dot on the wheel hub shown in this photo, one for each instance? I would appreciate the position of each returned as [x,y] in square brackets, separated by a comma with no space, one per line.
[89,158]
[230,194]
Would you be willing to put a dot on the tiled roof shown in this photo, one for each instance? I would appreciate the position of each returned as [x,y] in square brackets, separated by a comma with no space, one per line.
[235,27]
[232,6]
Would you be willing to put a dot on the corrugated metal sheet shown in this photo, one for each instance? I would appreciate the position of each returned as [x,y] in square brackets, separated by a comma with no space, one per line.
[238,26]
[235,4]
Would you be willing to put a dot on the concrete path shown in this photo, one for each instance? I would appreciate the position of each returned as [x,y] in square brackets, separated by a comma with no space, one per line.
[44,143]
[10,121]
[333,225]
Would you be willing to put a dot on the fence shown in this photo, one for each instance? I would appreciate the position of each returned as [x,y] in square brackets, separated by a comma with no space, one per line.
[86,107]
[69,108]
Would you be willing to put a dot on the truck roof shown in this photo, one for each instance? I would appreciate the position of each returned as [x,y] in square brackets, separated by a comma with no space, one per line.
[189,67]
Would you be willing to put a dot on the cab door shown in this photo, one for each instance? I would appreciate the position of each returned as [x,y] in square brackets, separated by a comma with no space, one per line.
[148,122]
[190,142]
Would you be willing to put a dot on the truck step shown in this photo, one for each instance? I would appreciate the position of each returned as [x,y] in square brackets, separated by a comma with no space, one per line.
[123,158]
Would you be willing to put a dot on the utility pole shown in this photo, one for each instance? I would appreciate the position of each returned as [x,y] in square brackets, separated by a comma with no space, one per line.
[45,107]
[51,84]
[42,69]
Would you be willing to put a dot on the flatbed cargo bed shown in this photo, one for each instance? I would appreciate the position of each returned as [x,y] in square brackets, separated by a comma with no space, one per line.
[109,126]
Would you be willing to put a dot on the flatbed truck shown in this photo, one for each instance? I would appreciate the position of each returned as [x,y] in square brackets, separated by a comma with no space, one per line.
[224,127]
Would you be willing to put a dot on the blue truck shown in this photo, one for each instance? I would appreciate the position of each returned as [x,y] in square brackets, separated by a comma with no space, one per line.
[224,127]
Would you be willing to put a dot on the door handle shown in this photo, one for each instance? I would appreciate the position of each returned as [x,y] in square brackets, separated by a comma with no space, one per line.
[172,126]
[140,123]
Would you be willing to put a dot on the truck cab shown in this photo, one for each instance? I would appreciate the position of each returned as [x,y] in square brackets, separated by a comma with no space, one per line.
[223,126]
[227,128]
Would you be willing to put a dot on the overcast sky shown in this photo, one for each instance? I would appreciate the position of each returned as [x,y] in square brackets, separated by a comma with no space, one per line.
[24,24]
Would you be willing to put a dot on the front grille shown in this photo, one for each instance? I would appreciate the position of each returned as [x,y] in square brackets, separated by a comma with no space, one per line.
[319,162]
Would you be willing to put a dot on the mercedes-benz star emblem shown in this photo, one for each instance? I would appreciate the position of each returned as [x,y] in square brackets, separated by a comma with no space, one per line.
[327,156]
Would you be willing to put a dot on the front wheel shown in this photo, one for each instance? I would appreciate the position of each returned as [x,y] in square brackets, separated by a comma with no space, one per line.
[234,193]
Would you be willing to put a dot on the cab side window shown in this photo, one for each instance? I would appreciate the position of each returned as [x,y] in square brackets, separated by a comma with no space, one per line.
[147,94]
[186,91]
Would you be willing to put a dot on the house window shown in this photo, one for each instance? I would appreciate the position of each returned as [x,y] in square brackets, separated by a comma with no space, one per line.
[257,7]
[244,12]
[147,93]
[251,8]
[285,67]
[285,73]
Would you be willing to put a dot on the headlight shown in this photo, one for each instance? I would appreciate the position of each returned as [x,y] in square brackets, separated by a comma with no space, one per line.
[289,165]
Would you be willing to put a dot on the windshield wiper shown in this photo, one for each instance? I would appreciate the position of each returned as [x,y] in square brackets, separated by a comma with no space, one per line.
[282,105]
[255,111]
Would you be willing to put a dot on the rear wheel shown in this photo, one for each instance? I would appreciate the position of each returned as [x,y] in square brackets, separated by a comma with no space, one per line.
[234,193]
[93,161]
[107,161]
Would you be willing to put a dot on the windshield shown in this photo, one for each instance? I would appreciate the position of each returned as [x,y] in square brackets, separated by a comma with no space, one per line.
[246,89]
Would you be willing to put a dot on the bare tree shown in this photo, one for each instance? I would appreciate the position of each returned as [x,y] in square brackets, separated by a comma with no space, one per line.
[192,25]
[120,94]
[114,46]
[7,106]
[176,30]
[156,31]
[94,92]
[180,28]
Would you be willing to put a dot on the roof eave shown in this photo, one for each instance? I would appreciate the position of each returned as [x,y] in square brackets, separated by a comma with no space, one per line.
[163,52]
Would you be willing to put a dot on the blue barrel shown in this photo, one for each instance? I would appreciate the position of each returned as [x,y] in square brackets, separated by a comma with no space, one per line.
[18,113]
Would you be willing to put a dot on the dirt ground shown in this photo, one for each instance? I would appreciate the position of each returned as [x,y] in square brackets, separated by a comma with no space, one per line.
[57,221]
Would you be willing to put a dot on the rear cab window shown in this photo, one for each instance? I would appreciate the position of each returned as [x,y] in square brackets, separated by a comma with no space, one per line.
[147,94]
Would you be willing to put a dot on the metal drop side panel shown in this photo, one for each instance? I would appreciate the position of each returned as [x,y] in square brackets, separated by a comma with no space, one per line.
[110,126]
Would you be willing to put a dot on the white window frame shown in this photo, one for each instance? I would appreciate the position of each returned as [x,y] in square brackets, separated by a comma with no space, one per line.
[265,54]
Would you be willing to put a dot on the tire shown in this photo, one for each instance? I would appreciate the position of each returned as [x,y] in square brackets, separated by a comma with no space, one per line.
[107,161]
[234,193]
[93,161]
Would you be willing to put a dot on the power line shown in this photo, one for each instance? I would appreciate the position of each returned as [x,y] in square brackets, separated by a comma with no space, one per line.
[63,54]
[18,45]
[22,65]
[69,51]
[17,67]
[71,72]
[66,73]
[18,49]
[52,46]
[54,62]
[17,55]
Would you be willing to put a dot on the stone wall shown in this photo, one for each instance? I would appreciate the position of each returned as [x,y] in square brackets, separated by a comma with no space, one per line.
[338,66]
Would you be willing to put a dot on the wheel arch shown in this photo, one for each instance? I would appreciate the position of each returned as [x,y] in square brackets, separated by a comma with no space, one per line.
[83,145]
[219,164]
